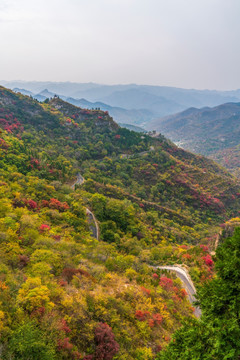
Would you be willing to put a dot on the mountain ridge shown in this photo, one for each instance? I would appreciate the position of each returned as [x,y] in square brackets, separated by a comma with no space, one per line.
[161,100]
[213,132]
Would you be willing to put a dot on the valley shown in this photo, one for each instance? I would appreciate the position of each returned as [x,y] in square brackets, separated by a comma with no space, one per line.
[212,132]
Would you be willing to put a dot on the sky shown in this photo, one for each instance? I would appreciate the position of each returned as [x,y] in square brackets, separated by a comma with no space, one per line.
[183,43]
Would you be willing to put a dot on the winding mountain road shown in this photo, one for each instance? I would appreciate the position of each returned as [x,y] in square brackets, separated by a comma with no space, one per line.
[80,180]
[181,273]
[187,283]
[93,225]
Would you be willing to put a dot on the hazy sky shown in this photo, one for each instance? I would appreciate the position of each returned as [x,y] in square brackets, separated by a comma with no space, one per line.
[184,43]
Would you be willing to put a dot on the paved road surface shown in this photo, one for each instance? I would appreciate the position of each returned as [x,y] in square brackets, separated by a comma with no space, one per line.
[187,282]
[93,225]
[80,180]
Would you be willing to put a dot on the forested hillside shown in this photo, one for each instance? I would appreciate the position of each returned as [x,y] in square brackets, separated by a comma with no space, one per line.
[65,294]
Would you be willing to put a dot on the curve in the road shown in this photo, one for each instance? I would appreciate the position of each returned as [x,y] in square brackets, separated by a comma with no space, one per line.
[93,225]
[80,180]
[187,283]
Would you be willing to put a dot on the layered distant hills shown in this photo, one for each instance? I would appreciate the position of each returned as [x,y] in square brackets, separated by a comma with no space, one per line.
[213,132]
[131,104]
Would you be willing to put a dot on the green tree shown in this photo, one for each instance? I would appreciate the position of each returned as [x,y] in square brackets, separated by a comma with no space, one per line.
[28,343]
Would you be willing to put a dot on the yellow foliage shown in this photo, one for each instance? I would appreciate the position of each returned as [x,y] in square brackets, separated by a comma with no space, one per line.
[34,295]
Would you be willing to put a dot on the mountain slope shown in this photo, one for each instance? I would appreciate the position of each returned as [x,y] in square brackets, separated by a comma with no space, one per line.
[66,295]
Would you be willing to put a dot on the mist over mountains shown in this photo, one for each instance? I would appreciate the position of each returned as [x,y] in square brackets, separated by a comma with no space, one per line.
[131,103]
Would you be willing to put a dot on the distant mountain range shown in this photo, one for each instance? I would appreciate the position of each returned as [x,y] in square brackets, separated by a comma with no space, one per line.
[213,132]
[132,104]
[132,117]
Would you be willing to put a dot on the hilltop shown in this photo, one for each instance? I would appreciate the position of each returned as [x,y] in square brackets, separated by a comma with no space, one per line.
[64,293]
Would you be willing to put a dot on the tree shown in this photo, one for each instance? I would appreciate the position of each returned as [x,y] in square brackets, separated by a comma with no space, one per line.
[28,342]
[106,346]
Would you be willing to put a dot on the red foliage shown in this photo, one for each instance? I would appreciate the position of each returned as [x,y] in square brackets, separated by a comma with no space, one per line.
[165,282]
[155,276]
[56,237]
[31,204]
[64,344]
[183,246]
[68,273]
[183,293]
[38,312]
[35,163]
[64,326]
[3,144]
[44,203]
[151,323]
[142,315]
[167,338]
[56,204]
[117,136]
[106,346]
[157,318]
[186,256]
[141,205]
[204,247]
[62,282]
[175,289]
[208,260]
[145,291]
[44,227]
